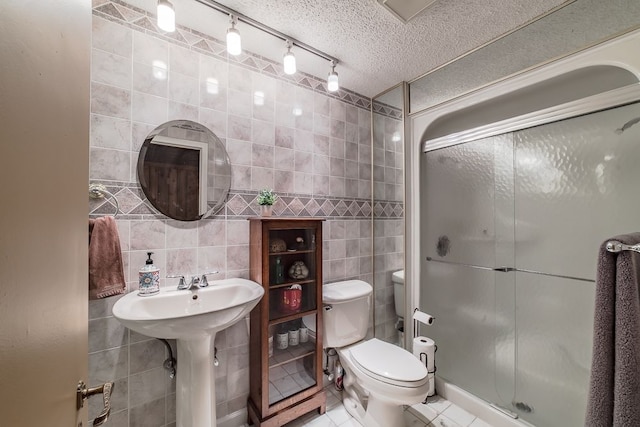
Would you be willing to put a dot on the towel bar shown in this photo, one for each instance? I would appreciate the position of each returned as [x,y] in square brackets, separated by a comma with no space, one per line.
[615,247]
[98,191]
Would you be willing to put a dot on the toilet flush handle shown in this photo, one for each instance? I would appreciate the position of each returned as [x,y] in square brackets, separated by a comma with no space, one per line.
[328,307]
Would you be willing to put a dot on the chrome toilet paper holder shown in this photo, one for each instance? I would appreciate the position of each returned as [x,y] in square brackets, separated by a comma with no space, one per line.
[420,317]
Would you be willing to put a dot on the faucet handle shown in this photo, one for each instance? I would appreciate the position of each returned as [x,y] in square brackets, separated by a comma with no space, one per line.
[203,281]
[181,283]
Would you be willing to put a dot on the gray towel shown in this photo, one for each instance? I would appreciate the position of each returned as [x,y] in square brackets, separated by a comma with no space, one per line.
[614,389]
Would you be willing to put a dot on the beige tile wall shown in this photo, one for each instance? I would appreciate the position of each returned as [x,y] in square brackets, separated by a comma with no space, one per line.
[322,155]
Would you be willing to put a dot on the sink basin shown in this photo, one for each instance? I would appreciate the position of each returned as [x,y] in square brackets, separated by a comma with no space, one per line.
[183,314]
[192,317]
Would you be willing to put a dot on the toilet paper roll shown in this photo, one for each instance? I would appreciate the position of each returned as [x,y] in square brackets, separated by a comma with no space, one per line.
[422,317]
[425,349]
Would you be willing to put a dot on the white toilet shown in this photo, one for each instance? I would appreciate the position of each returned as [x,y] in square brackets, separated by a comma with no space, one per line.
[379,377]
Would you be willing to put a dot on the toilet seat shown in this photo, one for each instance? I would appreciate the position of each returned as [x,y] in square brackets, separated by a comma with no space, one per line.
[389,363]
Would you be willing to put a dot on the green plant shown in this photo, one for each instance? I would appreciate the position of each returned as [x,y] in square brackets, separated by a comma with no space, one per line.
[266,197]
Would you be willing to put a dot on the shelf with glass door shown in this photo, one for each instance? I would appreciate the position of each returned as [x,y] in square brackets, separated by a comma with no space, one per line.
[283,356]
[294,268]
[292,358]
[292,298]
[293,282]
[296,252]
[288,317]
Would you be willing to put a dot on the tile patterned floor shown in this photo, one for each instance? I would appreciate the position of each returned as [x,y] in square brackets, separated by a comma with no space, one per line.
[437,412]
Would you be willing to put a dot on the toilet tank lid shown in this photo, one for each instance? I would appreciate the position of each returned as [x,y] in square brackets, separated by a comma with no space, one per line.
[398,276]
[344,291]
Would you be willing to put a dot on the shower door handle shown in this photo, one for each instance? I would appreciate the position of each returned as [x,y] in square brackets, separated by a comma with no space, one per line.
[83,393]
[510,270]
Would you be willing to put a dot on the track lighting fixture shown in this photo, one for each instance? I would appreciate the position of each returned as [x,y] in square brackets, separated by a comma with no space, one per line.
[234,42]
[234,46]
[289,60]
[332,80]
[166,16]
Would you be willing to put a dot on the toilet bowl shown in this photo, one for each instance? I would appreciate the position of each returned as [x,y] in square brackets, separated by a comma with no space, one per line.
[379,377]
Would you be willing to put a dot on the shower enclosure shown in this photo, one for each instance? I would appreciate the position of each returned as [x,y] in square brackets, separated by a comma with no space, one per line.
[528,160]
[510,230]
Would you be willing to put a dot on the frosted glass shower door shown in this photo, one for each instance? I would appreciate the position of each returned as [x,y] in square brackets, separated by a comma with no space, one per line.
[467,232]
[576,185]
[510,230]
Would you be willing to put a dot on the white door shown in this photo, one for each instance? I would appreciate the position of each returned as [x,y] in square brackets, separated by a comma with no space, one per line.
[44,133]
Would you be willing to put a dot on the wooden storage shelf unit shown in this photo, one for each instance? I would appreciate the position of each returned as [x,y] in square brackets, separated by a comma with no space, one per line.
[285,364]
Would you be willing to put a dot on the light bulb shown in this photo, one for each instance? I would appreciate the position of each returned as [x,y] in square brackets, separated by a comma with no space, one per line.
[234,42]
[166,16]
[258,98]
[289,62]
[332,81]
[212,85]
[159,69]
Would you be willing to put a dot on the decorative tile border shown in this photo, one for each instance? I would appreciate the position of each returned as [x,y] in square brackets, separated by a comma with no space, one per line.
[243,204]
[141,20]
[386,110]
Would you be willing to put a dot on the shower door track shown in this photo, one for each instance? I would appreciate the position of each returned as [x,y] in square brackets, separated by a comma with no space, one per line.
[510,269]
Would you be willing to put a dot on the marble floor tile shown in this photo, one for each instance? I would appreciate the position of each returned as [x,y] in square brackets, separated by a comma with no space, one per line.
[411,420]
[458,415]
[338,415]
[437,412]
[438,403]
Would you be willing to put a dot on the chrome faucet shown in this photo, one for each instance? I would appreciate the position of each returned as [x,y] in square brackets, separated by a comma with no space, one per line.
[195,283]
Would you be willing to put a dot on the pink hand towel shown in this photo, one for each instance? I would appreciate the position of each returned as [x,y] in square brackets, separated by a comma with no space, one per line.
[106,275]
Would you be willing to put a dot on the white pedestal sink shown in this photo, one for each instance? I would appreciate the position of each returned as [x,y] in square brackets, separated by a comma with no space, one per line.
[192,317]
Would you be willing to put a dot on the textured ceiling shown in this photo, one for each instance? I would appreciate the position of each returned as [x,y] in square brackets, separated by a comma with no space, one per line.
[376,50]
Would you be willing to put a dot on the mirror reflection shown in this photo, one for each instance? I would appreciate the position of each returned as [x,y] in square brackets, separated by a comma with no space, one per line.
[388,222]
[184,170]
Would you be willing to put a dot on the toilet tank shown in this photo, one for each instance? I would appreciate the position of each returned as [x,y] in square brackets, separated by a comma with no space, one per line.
[346,315]
[397,278]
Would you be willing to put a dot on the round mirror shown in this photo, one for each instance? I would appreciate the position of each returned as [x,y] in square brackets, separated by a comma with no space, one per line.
[184,170]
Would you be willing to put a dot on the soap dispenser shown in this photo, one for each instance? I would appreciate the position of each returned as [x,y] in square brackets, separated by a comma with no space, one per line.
[149,276]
